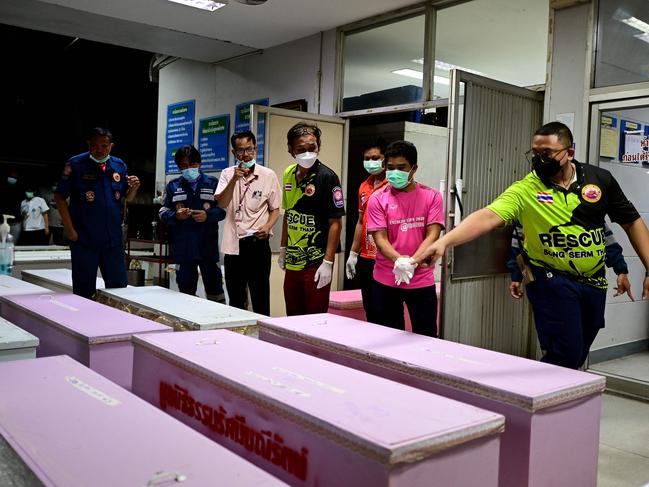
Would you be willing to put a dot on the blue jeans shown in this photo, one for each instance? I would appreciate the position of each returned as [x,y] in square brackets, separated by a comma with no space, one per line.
[568,316]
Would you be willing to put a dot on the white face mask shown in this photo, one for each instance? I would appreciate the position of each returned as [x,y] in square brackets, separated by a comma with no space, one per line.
[306,159]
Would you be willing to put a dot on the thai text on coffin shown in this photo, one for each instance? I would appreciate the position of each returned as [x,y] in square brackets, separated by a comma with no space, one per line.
[265,444]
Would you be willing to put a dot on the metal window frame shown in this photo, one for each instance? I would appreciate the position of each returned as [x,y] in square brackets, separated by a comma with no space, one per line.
[429,10]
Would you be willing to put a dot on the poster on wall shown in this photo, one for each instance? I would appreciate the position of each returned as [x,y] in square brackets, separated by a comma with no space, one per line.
[180,130]
[635,145]
[609,137]
[213,133]
[242,122]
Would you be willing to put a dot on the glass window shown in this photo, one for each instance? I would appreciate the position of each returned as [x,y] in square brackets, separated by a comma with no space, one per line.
[501,39]
[380,67]
[622,54]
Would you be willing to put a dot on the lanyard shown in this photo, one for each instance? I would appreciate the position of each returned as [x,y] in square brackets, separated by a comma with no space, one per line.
[243,196]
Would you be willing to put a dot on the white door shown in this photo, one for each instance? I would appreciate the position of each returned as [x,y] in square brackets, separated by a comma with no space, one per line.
[333,152]
[619,142]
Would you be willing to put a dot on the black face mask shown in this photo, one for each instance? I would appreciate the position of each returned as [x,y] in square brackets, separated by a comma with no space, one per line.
[545,167]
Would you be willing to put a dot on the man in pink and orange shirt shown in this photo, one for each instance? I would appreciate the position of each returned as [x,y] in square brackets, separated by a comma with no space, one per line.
[404,219]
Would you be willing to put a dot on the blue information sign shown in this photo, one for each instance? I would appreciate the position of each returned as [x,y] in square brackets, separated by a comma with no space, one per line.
[213,142]
[242,122]
[180,130]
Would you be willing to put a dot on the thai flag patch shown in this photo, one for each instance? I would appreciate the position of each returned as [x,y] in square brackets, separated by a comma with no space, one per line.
[543,197]
[288,187]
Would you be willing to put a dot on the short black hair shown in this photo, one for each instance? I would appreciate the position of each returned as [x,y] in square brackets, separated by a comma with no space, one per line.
[300,129]
[380,144]
[559,129]
[187,152]
[402,148]
[246,134]
[99,132]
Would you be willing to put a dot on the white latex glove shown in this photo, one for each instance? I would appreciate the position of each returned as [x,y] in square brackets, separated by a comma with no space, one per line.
[403,270]
[323,274]
[282,258]
[350,265]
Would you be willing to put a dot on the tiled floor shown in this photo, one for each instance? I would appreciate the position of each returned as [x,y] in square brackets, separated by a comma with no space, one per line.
[624,443]
[634,366]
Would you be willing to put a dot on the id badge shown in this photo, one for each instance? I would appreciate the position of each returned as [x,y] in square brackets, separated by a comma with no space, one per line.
[238,216]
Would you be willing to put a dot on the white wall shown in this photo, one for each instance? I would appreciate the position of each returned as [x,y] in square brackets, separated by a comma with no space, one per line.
[568,85]
[283,73]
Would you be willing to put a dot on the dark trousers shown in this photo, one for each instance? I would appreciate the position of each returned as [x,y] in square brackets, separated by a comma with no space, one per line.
[86,261]
[250,270]
[421,302]
[301,294]
[365,274]
[568,316]
[187,278]
[34,237]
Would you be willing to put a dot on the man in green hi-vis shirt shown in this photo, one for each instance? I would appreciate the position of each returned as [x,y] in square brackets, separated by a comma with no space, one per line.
[561,205]
[314,206]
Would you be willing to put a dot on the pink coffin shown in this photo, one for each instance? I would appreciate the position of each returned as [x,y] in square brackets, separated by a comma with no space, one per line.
[71,427]
[311,422]
[552,414]
[95,335]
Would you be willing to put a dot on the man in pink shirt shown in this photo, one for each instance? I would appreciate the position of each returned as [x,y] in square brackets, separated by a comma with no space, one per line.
[251,196]
[404,219]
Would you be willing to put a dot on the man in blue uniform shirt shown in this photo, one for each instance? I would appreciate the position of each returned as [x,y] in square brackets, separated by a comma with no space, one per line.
[193,214]
[96,184]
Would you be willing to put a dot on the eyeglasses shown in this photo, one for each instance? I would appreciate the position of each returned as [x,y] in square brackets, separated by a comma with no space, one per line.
[545,154]
[249,151]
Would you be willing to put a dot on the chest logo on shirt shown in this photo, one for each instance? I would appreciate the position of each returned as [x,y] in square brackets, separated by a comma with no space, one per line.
[338,197]
[288,187]
[90,196]
[116,177]
[544,197]
[309,190]
[591,193]
[206,206]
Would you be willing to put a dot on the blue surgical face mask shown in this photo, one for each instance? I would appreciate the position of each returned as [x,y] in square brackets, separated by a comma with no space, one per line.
[11,180]
[99,161]
[249,164]
[191,174]
[29,195]
[398,179]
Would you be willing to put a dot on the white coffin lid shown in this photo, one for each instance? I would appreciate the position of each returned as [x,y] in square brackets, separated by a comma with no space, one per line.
[200,312]
[10,286]
[13,337]
[61,278]
[74,428]
[33,256]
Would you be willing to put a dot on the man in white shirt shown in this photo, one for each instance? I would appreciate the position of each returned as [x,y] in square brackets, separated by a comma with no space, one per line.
[36,228]
[251,196]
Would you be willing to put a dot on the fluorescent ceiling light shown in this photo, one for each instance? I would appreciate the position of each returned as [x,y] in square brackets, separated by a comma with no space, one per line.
[412,73]
[636,24]
[202,4]
[443,66]
[643,37]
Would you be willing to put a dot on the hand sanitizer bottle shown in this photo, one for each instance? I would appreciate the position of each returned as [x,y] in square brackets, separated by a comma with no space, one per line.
[6,248]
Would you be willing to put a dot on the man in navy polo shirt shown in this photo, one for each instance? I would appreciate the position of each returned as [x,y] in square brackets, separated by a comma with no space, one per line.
[96,184]
[193,214]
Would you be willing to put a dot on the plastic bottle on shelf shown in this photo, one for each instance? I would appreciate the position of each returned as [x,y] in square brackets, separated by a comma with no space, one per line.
[6,247]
